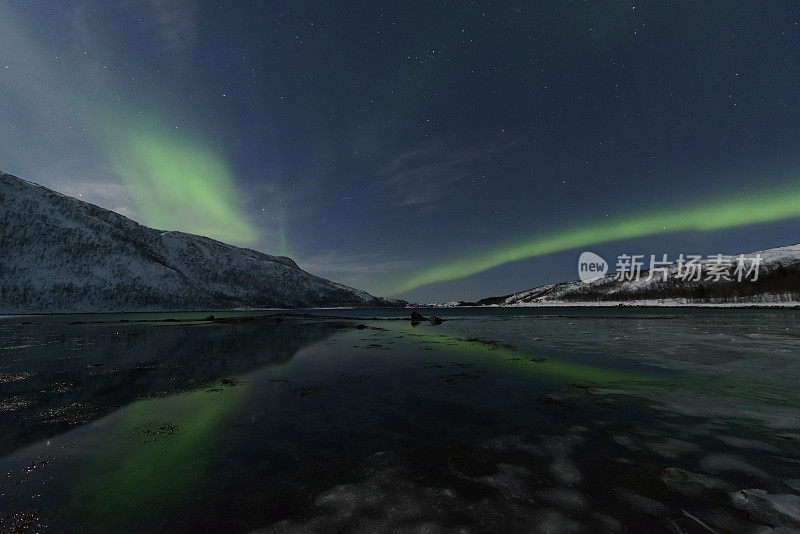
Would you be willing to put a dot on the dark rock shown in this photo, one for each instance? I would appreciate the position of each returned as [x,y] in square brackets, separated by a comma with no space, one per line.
[459,378]
[308,390]
[777,510]
[417,317]
[436,320]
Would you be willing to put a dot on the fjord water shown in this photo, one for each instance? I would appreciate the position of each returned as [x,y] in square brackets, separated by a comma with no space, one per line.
[553,420]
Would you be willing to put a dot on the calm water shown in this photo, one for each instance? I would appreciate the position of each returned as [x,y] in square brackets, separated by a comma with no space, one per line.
[558,420]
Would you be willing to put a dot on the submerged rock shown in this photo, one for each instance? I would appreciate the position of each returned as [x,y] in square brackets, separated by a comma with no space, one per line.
[694,484]
[417,318]
[777,510]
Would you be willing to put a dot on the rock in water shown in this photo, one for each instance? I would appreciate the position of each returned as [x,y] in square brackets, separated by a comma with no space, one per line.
[777,510]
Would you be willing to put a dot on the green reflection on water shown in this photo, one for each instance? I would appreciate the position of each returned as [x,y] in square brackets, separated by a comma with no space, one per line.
[519,361]
[143,463]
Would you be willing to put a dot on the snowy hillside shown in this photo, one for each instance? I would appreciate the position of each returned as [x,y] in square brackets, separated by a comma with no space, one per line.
[778,282]
[59,254]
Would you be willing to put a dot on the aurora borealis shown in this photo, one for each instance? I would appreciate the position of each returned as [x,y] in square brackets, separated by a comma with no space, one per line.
[425,150]
[166,175]
[762,207]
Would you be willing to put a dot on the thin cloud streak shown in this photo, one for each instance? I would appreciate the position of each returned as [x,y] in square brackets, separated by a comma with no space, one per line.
[361,264]
[175,23]
[427,173]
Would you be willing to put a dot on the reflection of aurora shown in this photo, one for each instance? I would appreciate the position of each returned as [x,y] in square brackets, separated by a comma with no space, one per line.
[519,361]
[156,453]
[135,480]
[763,207]
[155,471]
[162,474]
[234,449]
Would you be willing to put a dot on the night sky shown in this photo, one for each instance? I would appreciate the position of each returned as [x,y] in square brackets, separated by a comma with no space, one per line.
[427,150]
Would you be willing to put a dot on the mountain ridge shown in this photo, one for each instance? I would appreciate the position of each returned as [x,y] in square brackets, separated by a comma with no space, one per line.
[61,254]
[778,284]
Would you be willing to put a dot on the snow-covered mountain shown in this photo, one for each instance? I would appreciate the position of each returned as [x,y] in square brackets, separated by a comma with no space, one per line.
[778,282]
[59,254]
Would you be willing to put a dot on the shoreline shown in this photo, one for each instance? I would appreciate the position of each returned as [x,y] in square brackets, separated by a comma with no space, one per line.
[631,304]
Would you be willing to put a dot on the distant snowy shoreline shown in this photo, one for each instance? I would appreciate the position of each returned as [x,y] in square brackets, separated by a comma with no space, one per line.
[777,285]
[626,304]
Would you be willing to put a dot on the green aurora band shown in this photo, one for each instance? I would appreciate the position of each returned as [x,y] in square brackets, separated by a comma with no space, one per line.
[180,185]
[764,207]
[176,177]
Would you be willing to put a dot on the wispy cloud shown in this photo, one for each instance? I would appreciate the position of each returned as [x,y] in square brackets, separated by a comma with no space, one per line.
[336,262]
[428,172]
[112,196]
[358,270]
[175,23]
